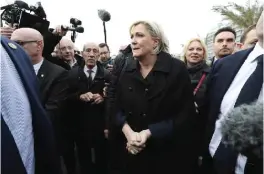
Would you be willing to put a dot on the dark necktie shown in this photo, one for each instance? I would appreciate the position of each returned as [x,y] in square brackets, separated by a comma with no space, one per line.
[90,78]
[225,158]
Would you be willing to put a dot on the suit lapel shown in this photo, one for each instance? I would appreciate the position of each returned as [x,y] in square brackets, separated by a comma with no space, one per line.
[43,72]
[229,72]
[226,75]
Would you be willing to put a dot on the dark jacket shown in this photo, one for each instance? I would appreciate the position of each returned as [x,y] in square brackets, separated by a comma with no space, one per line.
[196,72]
[222,75]
[110,61]
[46,156]
[118,69]
[53,90]
[89,117]
[163,103]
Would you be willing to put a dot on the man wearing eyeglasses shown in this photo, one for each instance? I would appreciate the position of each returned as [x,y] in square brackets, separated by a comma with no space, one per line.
[52,78]
[105,58]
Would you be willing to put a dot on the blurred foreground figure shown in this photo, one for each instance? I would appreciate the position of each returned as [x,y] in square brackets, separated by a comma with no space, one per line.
[28,144]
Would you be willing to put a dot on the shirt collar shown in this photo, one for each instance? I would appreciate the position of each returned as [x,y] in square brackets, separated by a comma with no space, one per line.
[73,62]
[257,51]
[37,66]
[93,70]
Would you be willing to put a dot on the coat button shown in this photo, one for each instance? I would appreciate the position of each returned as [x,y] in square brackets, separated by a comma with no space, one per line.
[144,115]
[146,90]
[130,113]
[130,88]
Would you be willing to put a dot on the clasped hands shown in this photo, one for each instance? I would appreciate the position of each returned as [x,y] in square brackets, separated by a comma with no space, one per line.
[90,97]
[136,141]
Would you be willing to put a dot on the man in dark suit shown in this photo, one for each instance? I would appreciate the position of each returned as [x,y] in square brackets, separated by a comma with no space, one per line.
[235,80]
[28,144]
[86,103]
[224,43]
[51,77]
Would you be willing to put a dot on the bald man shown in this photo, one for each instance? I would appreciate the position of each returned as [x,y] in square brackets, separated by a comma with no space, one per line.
[66,51]
[52,78]
[87,108]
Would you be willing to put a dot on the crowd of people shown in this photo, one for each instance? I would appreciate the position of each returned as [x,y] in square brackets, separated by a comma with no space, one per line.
[144,111]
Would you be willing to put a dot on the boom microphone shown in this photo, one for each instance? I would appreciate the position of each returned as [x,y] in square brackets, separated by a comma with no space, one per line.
[242,129]
[104,15]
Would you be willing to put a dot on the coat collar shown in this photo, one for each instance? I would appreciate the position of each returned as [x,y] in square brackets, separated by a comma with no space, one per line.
[163,63]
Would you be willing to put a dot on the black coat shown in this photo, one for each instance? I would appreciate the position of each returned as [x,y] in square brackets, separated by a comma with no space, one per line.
[196,74]
[53,89]
[162,102]
[89,118]
[52,80]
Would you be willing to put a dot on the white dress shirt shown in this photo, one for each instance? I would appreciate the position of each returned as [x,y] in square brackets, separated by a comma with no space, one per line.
[229,101]
[37,66]
[73,62]
[16,111]
[94,70]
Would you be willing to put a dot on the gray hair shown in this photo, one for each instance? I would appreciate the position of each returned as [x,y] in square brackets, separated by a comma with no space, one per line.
[155,31]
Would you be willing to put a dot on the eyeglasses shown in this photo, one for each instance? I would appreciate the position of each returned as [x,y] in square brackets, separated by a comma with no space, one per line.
[25,42]
[104,53]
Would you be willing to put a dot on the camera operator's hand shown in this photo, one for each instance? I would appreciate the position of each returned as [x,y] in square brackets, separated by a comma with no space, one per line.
[7,31]
[59,32]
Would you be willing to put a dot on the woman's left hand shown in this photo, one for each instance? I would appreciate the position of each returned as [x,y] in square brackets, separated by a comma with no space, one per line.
[144,135]
[138,146]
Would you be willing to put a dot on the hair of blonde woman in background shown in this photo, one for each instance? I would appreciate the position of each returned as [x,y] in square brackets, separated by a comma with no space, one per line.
[183,58]
[155,31]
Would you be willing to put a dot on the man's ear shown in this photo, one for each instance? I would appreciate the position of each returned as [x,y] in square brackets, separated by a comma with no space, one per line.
[239,45]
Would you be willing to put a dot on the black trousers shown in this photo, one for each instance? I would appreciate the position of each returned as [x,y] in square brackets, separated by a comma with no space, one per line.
[92,154]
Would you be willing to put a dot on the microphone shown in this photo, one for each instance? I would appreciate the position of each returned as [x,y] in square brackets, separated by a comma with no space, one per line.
[77,29]
[75,21]
[104,15]
[242,129]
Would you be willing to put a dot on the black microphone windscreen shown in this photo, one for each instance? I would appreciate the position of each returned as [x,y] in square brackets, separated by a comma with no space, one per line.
[104,15]
[75,21]
[79,29]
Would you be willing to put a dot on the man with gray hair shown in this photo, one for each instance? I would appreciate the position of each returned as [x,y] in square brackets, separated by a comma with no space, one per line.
[86,104]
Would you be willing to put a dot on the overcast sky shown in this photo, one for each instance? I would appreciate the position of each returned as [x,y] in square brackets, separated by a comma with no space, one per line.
[180,20]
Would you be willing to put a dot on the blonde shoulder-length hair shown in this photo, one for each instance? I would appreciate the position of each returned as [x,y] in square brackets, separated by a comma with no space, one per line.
[188,44]
[155,31]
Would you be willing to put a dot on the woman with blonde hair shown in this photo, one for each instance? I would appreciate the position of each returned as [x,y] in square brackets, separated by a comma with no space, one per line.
[194,56]
[155,113]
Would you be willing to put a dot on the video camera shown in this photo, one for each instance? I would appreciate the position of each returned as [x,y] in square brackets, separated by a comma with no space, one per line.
[19,15]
